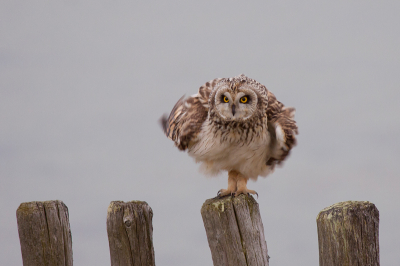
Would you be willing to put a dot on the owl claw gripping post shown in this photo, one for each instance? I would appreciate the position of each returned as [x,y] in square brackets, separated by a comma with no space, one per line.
[234,125]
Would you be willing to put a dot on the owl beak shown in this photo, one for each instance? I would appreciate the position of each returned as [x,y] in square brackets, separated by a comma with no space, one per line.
[233,109]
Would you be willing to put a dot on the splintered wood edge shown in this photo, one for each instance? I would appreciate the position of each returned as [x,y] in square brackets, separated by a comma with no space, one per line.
[25,208]
[343,207]
[116,205]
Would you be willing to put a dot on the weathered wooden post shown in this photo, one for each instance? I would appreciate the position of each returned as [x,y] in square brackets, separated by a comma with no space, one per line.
[44,233]
[235,231]
[348,234]
[130,233]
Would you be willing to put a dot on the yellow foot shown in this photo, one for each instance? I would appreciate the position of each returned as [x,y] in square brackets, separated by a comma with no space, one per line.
[232,185]
[242,186]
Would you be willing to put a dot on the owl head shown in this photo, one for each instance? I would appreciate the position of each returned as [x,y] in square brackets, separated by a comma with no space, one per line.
[238,99]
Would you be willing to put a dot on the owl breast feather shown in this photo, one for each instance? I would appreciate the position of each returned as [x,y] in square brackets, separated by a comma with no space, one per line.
[219,150]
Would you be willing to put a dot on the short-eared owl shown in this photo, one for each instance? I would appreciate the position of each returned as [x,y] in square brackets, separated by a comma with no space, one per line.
[234,125]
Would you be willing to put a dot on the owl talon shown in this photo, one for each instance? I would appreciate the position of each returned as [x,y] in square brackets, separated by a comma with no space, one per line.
[256,194]
[224,192]
[246,191]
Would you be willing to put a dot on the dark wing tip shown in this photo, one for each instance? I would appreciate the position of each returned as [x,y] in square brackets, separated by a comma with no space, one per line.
[167,121]
[164,123]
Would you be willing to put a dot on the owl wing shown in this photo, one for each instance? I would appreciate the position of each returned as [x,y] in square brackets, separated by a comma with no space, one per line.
[282,128]
[188,115]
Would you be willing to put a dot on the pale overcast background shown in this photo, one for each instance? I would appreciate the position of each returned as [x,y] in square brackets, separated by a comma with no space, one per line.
[82,86]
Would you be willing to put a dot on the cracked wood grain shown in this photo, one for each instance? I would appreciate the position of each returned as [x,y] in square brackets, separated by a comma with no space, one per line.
[348,234]
[235,231]
[130,233]
[44,233]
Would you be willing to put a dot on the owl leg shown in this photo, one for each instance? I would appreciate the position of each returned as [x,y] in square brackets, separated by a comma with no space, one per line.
[232,185]
[242,186]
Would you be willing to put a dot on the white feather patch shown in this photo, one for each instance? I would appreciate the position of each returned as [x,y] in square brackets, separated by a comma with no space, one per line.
[281,137]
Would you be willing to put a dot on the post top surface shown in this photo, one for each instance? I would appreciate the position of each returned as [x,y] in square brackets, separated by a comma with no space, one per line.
[342,207]
[221,204]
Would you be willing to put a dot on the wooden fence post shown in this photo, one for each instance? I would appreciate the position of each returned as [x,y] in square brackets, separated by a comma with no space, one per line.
[235,231]
[44,233]
[348,234]
[130,233]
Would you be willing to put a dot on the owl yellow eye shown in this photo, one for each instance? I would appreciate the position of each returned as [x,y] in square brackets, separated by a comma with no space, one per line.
[226,99]
[243,99]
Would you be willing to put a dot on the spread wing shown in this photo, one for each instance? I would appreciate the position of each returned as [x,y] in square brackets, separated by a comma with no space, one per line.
[186,118]
[282,128]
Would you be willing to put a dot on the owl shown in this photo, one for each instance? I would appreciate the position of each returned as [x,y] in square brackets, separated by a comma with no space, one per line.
[235,125]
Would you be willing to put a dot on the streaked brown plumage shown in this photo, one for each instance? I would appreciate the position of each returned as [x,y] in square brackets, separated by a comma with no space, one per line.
[236,125]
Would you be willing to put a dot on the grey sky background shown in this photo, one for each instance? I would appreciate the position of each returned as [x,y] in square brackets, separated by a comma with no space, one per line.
[82,86]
